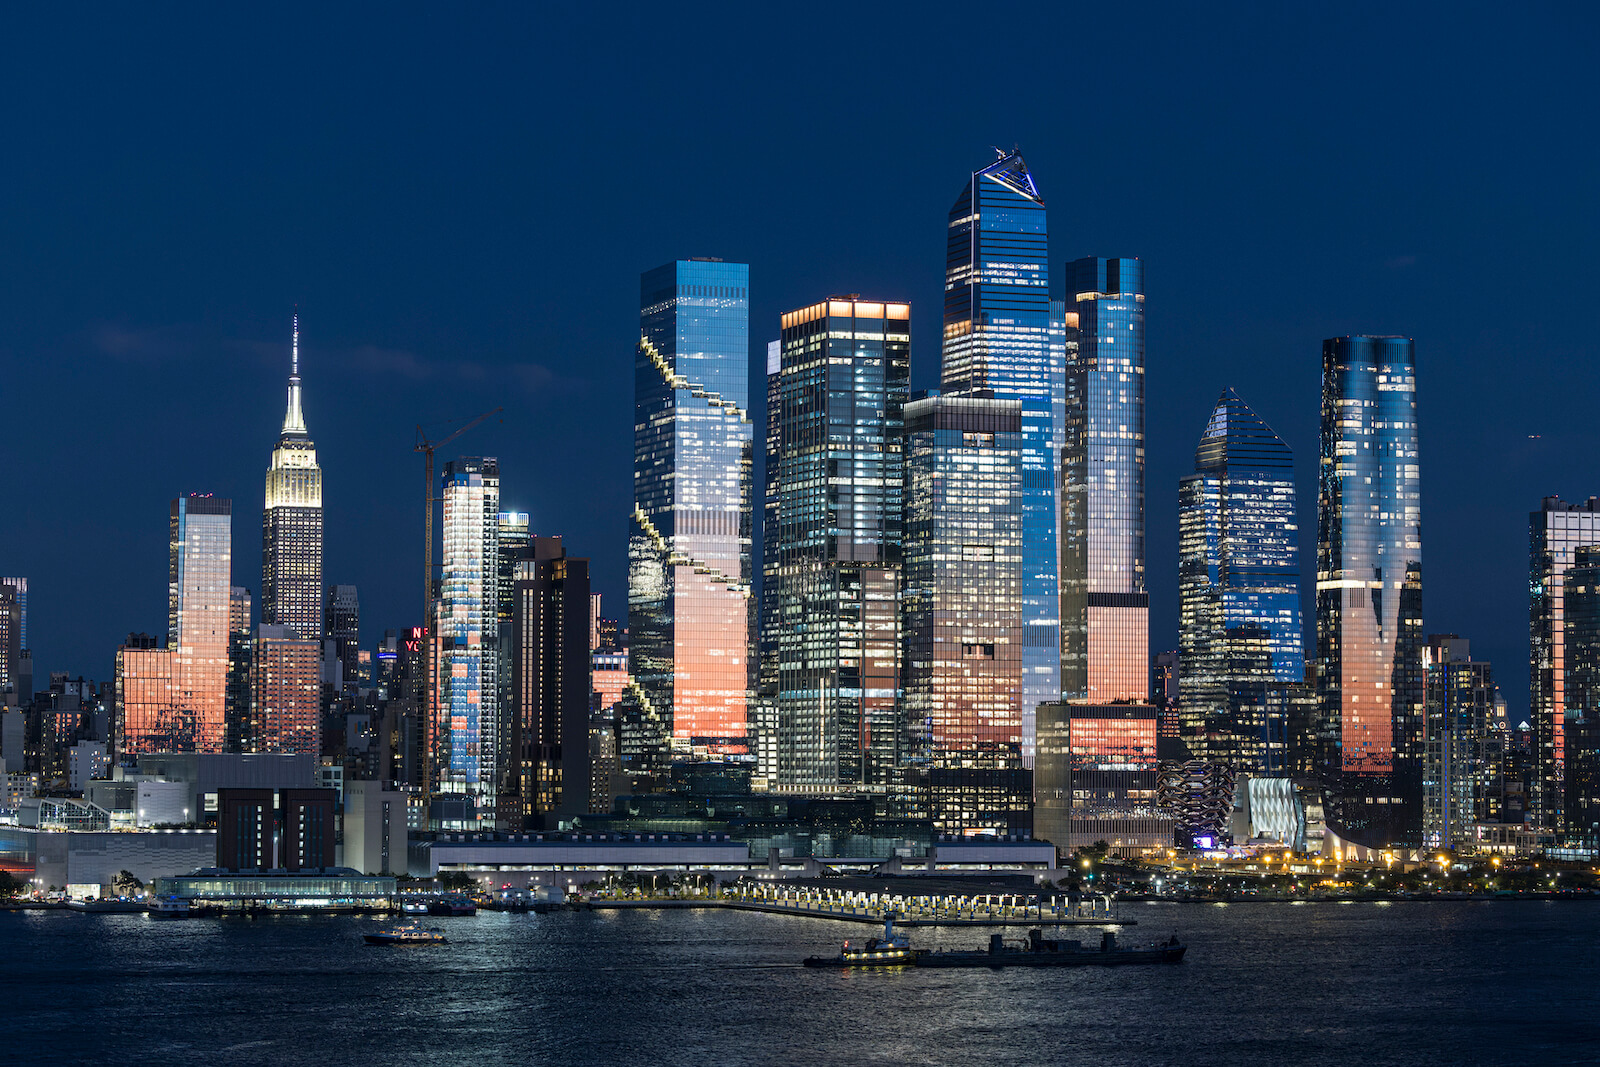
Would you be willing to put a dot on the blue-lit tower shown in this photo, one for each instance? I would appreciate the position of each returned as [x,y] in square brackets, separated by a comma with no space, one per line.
[1239,593]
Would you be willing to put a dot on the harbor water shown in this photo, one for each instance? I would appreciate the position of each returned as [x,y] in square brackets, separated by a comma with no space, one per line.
[1497,982]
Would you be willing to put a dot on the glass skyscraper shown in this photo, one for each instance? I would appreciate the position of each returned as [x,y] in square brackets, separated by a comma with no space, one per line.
[471,736]
[199,590]
[1239,593]
[1369,592]
[1555,532]
[1003,338]
[832,543]
[1462,744]
[291,523]
[1105,610]
[689,573]
[1581,700]
[962,609]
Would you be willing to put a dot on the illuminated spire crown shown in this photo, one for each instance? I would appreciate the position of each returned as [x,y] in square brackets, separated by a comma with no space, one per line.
[294,421]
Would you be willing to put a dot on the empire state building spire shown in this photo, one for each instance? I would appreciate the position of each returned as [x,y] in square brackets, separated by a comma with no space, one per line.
[291,529]
[294,421]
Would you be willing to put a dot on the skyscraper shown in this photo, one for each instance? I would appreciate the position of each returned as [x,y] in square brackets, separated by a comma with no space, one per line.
[689,543]
[548,775]
[962,609]
[471,738]
[199,611]
[291,524]
[1461,743]
[1003,338]
[832,542]
[1555,532]
[146,716]
[11,648]
[19,589]
[342,625]
[1239,593]
[1369,592]
[285,693]
[1580,734]
[1105,610]
[241,647]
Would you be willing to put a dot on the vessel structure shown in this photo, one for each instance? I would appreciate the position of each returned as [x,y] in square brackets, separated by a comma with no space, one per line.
[405,935]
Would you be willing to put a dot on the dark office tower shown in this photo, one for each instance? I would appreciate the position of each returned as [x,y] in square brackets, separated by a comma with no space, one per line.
[1239,593]
[1581,699]
[689,543]
[291,524]
[548,780]
[11,649]
[832,543]
[472,745]
[1462,744]
[19,588]
[1555,532]
[962,609]
[1105,610]
[237,732]
[199,613]
[515,546]
[1002,339]
[342,625]
[1369,592]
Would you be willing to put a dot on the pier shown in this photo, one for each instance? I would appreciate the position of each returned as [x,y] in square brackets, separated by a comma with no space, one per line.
[908,909]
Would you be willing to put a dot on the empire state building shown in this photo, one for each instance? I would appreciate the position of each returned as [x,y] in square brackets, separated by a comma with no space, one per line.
[291,525]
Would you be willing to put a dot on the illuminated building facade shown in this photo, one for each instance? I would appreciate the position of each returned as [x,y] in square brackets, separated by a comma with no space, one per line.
[1105,610]
[291,524]
[1097,778]
[285,693]
[1004,338]
[832,546]
[548,778]
[689,545]
[1555,532]
[1239,593]
[199,612]
[1462,744]
[472,736]
[341,624]
[962,608]
[1581,699]
[1369,592]
[146,716]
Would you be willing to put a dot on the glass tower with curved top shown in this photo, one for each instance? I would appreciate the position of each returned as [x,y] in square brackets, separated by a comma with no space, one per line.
[689,543]
[1239,592]
[1369,592]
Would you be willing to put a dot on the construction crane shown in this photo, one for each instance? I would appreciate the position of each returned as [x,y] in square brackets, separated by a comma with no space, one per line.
[429,622]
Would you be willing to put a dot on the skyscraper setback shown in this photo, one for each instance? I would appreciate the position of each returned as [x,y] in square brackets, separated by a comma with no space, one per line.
[1239,592]
[1369,592]
[291,523]
[1105,609]
[832,543]
[1002,339]
[689,542]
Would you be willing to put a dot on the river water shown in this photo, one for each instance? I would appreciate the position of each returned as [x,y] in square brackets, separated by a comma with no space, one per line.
[1499,982]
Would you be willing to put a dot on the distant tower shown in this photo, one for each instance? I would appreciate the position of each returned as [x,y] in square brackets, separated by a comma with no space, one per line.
[689,542]
[1239,592]
[199,616]
[1370,685]
[291,524]
[342,626]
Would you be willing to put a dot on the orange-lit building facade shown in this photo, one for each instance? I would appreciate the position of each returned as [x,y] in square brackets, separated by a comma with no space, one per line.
[198,616]
[689,562]
[285,693]
[146,715]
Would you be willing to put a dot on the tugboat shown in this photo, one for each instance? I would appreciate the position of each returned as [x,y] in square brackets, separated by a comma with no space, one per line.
[1040,951]
[405,935]
[890,950]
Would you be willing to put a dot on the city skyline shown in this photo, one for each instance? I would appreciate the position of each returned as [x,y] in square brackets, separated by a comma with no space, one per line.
[1388,273]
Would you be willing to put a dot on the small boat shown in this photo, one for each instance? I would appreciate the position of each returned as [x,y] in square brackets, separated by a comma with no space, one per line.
[111,905]
[414,907]
[890,950]
[405,935]
[168,908]
[1041,951]
[453,906]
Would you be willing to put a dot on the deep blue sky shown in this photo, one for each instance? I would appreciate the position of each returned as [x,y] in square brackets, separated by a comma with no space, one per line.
[461,201]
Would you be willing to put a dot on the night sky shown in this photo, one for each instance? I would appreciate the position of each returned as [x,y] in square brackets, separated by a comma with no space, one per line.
[460,201]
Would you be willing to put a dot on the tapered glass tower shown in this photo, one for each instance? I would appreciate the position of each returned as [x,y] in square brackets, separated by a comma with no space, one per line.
[1002,340]
[832,544]
[689,545]
[1239,593]
[291,524]
[1369,592]
[198,619]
